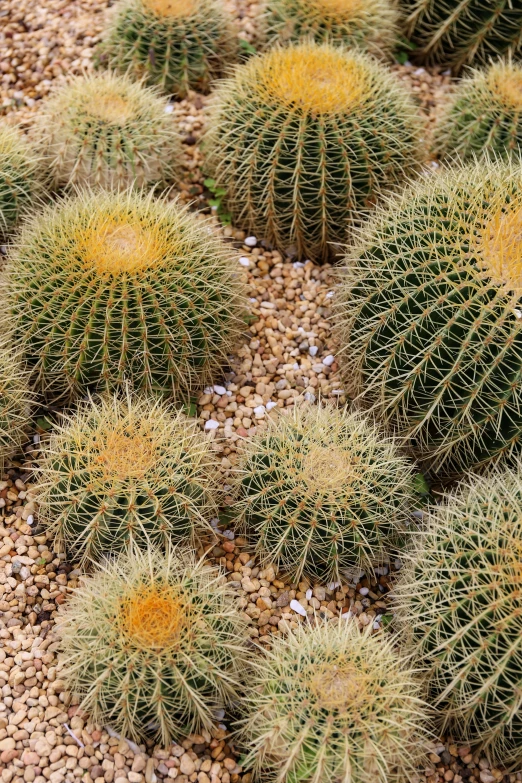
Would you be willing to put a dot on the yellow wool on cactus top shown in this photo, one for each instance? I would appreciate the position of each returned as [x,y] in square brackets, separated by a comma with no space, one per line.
[342,9]
[171,8]
[152,616]
[505,83]
[499,246]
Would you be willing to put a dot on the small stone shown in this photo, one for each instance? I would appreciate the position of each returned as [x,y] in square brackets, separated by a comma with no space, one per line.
[7,744]
[211,424]
[220,390]
[296,606]
[251,241]
[244,261]
[186,765]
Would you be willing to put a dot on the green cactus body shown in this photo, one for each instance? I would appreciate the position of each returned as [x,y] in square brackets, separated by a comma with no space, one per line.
[110,288]
[178,45]
[484,115]
[370,25]
[458,32]
[330,703]
[106,130]
[459,606]
[126,471]
[429,320]
[15,401]
[322,492]
[153,645]
[306,139]
[19,181]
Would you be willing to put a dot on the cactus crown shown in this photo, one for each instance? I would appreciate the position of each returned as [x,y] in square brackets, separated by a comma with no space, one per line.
[172,9]
[505,82]
[152,616]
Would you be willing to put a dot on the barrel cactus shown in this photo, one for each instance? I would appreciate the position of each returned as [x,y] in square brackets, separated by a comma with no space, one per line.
[15,401]
[428,316]
[123,471]
[19,178]
[370,25]
[108,288]
[332,703]
[178,45]
[458,604]
[107,130]
[322,491]
[153,645]
[305,139]
[484,115]
[455,33]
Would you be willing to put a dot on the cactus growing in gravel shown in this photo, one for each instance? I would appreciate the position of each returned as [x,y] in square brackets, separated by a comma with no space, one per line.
[179,45]
[153,645]
[305,140]
[15,401]
[107,288]
[19,179]
[323,491]
[429,320]
[459,605]
[454,33]
[126,471]
[370,25]
[484,115]
[106,130]
[334,704]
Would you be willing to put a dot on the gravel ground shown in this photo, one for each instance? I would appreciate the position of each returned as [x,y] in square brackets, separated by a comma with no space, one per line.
[288,356]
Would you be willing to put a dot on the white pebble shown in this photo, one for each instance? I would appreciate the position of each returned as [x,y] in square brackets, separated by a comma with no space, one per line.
[220,390]
[332,586]
[219,714]
[208,390]
[309,594]
[229,534]
[318,367]
[251,241]
[347,615]
[211,424]
[329,360]
[313,350]
[329,295]
[364,590]
[398,564]
[169,108]
[260,410]
[36,438]
[298,265]
[244,261]
[376,626]
[309,397]
[30,519]
[271,405]
[296,606]
[381,570]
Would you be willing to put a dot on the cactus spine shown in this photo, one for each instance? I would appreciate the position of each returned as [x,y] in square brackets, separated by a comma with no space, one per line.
[459,603]
[19,179]
[106,130]
[322,491]
[429,320]
[305,139]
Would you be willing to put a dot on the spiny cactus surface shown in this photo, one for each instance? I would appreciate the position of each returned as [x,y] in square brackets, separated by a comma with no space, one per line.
[370,25]
[153,645]
[126,471]
[15,401]
[428,316]
[459,604]
[322,491]
[19,178]
[456,33]
[334,704]
[484,115]
[178,45]
[106,130]
[108,288]
[306,139]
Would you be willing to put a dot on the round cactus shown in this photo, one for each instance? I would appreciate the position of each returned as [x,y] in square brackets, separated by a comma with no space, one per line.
[458,603]
[323,491]
[107,288]
[305,139]
[429,320]
[484,115]
[126,471]
[19,179]
[153,645]
[332,703]
[370,25]
[106,130]
[15,401]
[456,33]
[179,45]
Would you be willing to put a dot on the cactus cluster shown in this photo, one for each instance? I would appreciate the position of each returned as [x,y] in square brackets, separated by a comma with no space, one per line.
[323,491]
[305,139]
[455,33]
[429,320]
[126,471]
[178,45]
[107,130]
[15,401]
[108,288]
[459,604]
[19,178]
[370,25]
[332,703]
[153,645]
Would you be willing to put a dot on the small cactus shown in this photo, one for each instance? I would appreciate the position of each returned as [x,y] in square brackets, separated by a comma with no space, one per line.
[455,33]
[428,316]
[126,471]
[19,178]
[370,25]
[334,704]
[109,288]
[106,130]
[459,606]
[178,45]
[153,645]
[305,139]
[484,115]
[322,491]
[15,401]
